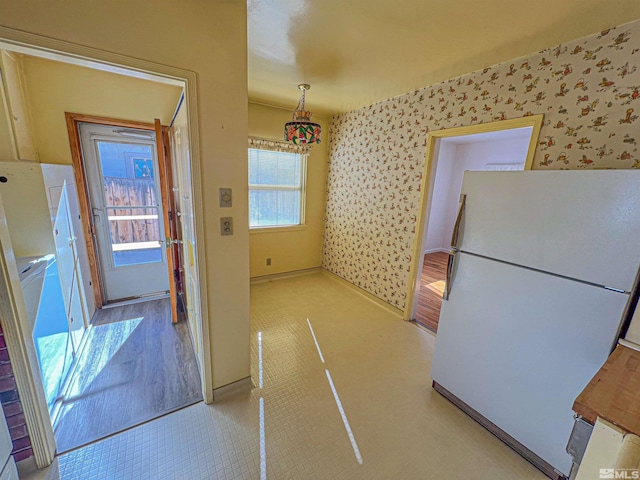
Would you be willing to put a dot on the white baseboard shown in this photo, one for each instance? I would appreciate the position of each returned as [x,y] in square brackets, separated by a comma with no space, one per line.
[372,298]
[242,385]
[279,276]
[28,467]
[436,250]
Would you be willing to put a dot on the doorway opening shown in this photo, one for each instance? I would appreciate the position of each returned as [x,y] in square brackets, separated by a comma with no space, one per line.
[123,169]
[499,146]
[124,192]
[102,368]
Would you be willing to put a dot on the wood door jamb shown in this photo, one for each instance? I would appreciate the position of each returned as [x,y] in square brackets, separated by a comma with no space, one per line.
[73,123]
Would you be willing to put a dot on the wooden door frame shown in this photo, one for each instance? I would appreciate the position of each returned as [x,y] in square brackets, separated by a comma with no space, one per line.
[173,219]
[164,173]
[428,178]
[73,130]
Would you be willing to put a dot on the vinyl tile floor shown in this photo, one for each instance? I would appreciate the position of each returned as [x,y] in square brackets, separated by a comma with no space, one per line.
[341,390]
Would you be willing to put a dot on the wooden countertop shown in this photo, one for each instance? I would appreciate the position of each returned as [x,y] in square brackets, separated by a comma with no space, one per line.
[614,392]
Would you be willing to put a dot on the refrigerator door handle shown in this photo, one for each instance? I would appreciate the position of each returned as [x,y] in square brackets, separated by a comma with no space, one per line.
[456,227]
[447,285]
[454,247]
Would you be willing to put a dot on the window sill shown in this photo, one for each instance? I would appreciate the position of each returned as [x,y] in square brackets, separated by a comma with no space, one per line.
[284,228]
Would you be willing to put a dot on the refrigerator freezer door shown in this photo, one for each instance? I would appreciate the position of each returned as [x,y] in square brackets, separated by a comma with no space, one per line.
[518,346]
[580,224]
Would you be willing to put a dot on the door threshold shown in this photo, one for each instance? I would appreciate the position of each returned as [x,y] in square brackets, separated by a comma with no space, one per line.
[140,299]
[132,426]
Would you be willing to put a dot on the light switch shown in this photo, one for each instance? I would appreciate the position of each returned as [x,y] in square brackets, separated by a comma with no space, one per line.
[226,226]
[225,197]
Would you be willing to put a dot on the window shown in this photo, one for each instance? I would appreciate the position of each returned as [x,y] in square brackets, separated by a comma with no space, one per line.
[276,188]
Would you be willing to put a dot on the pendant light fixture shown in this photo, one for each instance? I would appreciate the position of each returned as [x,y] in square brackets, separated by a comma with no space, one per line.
[301,130]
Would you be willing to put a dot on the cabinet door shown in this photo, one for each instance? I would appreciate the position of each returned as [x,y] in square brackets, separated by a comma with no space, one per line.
[10,472]
[5,440]
[15,91]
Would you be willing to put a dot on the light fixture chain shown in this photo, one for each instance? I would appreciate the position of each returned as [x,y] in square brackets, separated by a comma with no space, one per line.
[304,94]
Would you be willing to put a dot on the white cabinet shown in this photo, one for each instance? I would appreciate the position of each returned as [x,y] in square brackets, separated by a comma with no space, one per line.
[10,472]
[17,107]
[602,450]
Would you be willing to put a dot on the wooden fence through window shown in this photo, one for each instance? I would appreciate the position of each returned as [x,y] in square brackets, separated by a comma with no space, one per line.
[139,223]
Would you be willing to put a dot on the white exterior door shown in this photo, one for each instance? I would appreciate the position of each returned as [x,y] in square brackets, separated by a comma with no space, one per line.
[184,202]
[121,165]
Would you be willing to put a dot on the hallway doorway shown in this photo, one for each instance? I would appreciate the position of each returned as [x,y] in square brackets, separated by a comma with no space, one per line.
[499,146]
[433,279]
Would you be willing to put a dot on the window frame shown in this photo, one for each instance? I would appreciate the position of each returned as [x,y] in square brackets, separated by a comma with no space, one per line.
[303,156]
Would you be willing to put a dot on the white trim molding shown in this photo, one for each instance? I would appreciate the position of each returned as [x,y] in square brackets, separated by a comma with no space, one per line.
[243,385]
[436,250]
[36,413]
[22,352]
[283,228]
[372,298]
[290,274]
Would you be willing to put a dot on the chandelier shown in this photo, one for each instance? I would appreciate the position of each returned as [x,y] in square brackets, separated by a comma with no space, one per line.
[301,130]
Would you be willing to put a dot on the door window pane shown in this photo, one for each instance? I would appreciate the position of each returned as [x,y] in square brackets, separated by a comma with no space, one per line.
[130,200]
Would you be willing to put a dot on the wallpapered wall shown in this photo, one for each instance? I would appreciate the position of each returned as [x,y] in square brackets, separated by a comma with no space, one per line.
[588,90]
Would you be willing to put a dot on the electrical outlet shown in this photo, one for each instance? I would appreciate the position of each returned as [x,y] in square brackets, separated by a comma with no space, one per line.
[226,226]
[268,261]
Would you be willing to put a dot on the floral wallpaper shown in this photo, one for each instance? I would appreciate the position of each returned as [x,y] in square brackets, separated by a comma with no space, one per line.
[588,91]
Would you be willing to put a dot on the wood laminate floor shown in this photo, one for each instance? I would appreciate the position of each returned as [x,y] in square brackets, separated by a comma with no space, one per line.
[136,366]
[432,282]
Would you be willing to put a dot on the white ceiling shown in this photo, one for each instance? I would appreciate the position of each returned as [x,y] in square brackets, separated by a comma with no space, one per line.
[358,52]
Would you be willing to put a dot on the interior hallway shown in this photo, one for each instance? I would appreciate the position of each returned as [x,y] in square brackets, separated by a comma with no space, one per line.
[432,282]
[379,368]
[135,366]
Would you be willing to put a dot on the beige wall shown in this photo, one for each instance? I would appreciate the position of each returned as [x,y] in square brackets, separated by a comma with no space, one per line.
[7,150]
[208,38]
[55,88]
[291,250]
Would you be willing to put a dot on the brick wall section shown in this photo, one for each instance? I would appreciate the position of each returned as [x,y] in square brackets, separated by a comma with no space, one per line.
[12,407]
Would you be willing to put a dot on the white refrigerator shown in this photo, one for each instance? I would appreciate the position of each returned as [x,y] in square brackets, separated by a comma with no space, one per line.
[541,273]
